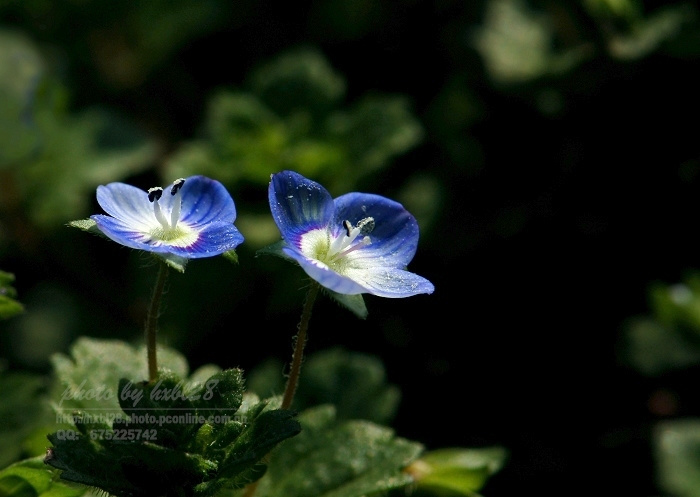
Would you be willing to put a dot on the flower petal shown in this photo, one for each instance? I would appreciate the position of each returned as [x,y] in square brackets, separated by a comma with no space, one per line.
[390,282]
[125,233]
[127,203]
[325,275]
[298,205]
[395,234]
[214,239]
[204,200]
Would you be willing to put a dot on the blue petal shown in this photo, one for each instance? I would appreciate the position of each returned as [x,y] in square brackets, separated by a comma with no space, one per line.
[390,282]
[127,203]
[395,234]
[214,239]
[204,201]
[298,205]
[125,233]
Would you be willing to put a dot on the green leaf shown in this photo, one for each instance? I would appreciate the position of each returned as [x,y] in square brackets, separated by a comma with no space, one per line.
[88,379]
[290,115]
[169,437]
[677,456]
[298,80]
[668,337]
[274,249]
[333,458]
[456,471]
[231,256]
[21,72]
[23,409]
[9,307]
[353,303]
[32,478]
[353,382]
[76,153]
[87,225]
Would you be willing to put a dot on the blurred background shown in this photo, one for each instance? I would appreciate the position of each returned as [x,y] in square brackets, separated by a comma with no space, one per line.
[548,150]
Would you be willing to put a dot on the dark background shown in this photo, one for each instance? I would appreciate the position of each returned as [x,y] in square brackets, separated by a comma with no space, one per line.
[549,233]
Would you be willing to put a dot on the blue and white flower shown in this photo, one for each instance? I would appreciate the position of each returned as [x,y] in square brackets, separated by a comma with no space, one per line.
[191,218]
[354,244]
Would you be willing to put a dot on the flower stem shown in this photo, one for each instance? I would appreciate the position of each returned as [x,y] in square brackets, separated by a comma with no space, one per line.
[152,322]
[300,341]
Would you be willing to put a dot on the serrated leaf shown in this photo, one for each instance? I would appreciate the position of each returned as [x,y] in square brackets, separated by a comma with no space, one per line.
[164,437]
[332,458]
[32,478]
[123,468]
[89,377]
[221,392]
[456,471]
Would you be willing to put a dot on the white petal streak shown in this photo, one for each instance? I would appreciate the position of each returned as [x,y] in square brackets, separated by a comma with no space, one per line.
[128,204]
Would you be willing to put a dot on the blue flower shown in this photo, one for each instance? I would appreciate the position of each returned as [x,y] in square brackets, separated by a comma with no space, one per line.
[354,244]
[191,218]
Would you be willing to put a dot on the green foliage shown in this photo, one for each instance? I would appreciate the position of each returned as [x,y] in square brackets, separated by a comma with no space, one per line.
[677,456]
[32,478]
[9,306]
[456,472]
[335,458]
[54,158]
[166,437]
[354,383]
[289,118]
[88,378]
[24,411]
[668,337]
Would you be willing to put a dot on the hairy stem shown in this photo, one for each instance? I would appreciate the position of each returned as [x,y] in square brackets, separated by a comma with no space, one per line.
[300,342]
[152,321]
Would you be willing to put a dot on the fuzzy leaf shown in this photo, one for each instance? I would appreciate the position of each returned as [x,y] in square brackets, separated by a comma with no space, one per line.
[32,478]
[332,458]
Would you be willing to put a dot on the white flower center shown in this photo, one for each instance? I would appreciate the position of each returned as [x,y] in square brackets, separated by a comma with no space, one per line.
[318,244]
[169,231]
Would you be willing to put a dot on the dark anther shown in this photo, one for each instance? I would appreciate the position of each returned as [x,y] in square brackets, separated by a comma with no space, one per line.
[177,184]
[348,226]
[154,193]
[366,225]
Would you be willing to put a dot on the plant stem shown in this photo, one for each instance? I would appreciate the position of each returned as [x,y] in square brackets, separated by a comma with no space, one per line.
[152,321]
[293,379]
